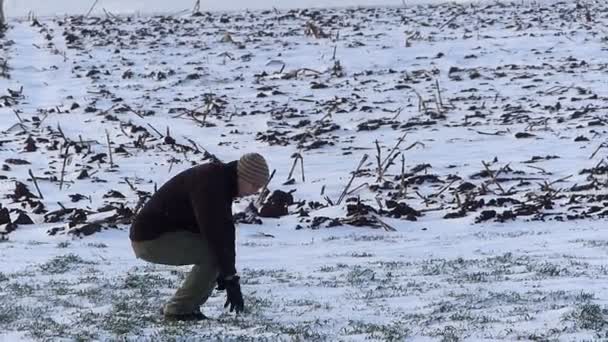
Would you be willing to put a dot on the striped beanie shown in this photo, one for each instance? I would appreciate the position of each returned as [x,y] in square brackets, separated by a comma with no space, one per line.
[253,169]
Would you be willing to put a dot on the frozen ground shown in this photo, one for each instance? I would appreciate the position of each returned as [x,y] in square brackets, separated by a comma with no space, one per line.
[61,7]
[512,250]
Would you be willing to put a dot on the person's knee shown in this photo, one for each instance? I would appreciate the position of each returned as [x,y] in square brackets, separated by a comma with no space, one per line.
[141,252]
[137,249]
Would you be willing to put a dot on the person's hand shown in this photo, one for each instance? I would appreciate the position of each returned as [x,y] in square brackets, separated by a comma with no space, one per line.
[234,297]
[221,283]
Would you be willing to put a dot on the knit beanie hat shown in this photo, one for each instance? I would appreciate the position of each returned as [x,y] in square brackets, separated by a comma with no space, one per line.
[253,169]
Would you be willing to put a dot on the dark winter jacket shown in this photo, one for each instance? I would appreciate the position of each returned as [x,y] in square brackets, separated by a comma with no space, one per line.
[198,200]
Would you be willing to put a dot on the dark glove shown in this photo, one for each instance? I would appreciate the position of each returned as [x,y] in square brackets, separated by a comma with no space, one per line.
[221,283]
[234,297]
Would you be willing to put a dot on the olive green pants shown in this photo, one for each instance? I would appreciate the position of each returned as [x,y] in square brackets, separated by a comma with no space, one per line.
[183,248]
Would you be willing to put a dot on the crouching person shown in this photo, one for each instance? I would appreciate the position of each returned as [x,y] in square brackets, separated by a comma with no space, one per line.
[188,221]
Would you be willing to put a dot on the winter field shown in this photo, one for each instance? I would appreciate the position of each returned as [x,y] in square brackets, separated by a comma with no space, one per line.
[443,170]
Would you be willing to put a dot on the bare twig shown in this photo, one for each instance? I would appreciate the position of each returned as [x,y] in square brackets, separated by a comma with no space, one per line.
[293,166]
[133,111]
[402,188]
[171,161]
[110,14]
[399,110]
[108,110]
[17,114]
[155,130]
[130,185]
[35,183]
[423,198]
[452,19]
[499,133]
[302,167]
[65,159]
[384,225]
[390,162]
[358,188]
[109,149]
[443,189]
[493,176]
[561,179]
[363,159]
[122,129]
[394,148]
[378,160]
[91,9]
[544,172]
[603,145]
[264,192]
[194,144]
[414,145]
[439,93]
[421,104]
[67,141]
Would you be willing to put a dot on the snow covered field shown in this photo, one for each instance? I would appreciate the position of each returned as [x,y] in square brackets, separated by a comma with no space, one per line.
[60,7]
[485,220]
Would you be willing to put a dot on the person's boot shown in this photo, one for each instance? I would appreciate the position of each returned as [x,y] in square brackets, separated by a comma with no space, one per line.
[196,315]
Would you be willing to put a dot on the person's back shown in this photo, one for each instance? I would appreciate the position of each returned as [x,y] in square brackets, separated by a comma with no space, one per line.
[170,208]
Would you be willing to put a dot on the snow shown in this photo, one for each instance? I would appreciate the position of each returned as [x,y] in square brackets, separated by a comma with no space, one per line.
[431,279]
[60,7]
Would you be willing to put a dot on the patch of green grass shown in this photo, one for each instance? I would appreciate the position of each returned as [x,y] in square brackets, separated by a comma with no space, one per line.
[120,325]
[63,244]
[593,243]
[19,290]
[44,328]
[9,311]
[434,267]
[331,238]
[301,332]
[584,296]
[256,304]
[59,287]
[130,314]
[36,243]
[175,332]
[93,294]
[389,291]
[547,269]
[250,276]
[86,318]
[368,237]
[89,279]
[589,316]
[360,275]
[311,304]
[146,281]
[337,267]
[63,263]
[395,331]
[256,244]
[97,245]
[361,255]
[476,277]
[461,315]
[327,269]
[256,273]
[446,334]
